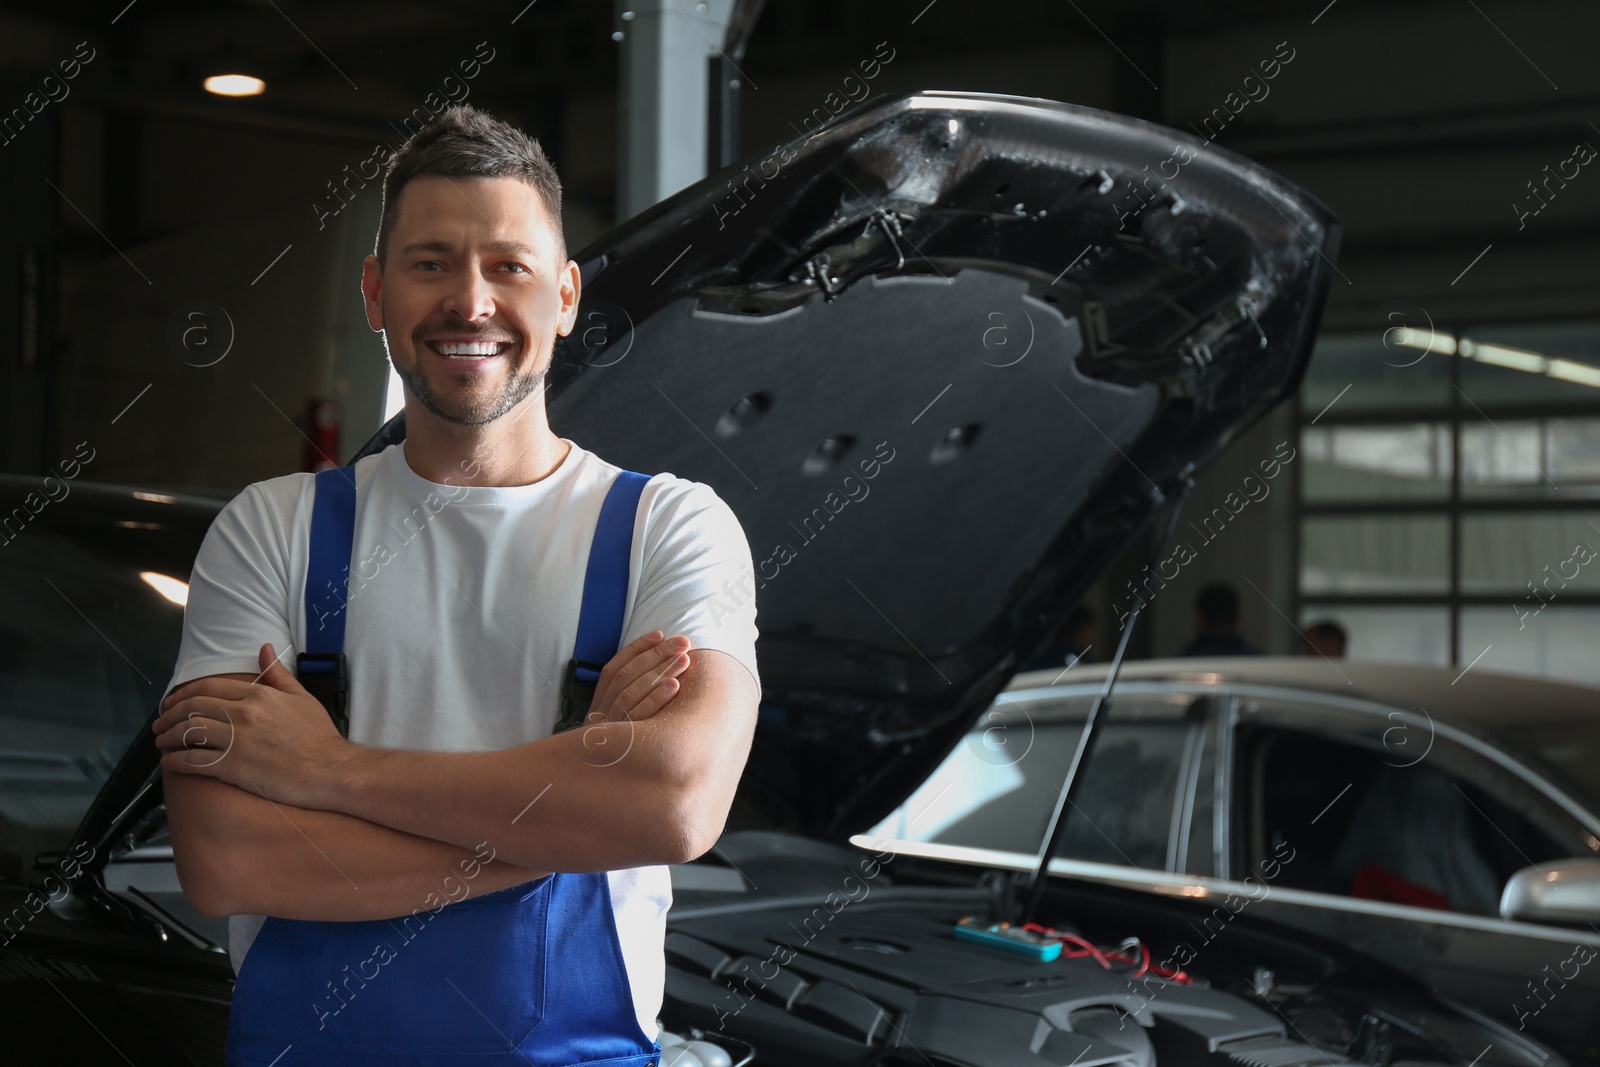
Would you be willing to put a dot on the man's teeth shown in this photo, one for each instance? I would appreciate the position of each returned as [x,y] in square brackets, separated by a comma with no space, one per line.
[468,349]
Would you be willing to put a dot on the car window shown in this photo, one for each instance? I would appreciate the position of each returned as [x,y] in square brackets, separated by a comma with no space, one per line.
[998,787]
[1367,813]
[86,646]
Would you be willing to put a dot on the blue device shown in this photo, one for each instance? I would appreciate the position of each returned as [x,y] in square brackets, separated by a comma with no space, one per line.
[1008,938]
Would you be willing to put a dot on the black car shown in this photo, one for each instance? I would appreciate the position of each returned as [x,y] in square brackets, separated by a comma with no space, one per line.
[102,958]
[945,358]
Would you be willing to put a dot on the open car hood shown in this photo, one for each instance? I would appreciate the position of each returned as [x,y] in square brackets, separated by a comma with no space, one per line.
[944,358]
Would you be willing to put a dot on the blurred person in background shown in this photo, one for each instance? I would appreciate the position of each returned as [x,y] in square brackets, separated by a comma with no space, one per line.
[1217,633]
[1326,638]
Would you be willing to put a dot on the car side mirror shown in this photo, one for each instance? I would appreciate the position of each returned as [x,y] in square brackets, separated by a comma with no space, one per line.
[1559,892]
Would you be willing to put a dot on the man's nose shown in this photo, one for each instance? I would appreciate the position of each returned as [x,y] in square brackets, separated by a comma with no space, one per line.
[471,297]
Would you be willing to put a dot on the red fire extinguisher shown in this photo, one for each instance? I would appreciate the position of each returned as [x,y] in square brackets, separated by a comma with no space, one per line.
[321,450]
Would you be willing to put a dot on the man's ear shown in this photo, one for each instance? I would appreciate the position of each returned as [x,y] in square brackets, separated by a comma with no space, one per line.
[570,284]
[371,291]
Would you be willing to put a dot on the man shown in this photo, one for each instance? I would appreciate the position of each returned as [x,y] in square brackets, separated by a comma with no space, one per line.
[345,865]
[1216,612]
[1327,639]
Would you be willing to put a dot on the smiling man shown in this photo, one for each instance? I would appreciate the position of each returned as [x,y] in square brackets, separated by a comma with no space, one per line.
[391,896]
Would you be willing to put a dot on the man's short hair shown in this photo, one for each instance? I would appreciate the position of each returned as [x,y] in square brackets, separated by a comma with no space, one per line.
[1218,604]
[464,142]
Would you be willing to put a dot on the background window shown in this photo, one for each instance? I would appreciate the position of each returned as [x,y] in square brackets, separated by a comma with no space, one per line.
[1375,554]
[1387,633]
[1403,461]
[1530,459]
[1442,500]
[1533,558]
[1555,642]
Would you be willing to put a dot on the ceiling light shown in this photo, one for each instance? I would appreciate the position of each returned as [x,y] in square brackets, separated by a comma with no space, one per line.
[235,85]
[1502,356]
[1566,370]
[173,589]
[1427,340]
[1569,371]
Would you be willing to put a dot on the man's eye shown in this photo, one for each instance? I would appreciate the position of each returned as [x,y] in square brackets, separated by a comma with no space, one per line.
[516,267]
[430,264]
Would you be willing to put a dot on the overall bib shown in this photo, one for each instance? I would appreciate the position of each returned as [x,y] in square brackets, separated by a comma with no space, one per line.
[532,974]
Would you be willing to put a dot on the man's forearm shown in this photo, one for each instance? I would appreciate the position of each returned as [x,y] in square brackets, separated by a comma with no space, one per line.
[536,803]
[601,797]
[240,853]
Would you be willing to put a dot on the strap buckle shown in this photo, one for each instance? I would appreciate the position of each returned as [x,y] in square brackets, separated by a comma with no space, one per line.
[326,676]
[577,694]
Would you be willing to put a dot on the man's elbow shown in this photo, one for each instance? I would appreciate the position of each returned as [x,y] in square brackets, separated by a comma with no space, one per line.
[691,822]
[213,875]
[697,772]
[208,870]
[212,906]
[681,841]
[204,882]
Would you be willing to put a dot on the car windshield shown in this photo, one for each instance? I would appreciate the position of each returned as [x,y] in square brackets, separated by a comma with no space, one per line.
[88,645]
[1570,750]
[997,789]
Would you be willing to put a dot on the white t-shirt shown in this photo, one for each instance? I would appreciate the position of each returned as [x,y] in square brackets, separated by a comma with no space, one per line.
[462,614]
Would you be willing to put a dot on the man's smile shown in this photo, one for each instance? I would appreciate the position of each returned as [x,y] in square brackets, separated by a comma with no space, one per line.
[468,354]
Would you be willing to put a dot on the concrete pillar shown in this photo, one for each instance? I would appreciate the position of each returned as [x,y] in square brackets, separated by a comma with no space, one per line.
[668,49]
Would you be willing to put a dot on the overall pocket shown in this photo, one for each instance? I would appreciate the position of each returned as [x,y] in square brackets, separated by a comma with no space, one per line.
[468,978]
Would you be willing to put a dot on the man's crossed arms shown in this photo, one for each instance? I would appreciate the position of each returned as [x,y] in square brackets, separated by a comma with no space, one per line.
[272,812]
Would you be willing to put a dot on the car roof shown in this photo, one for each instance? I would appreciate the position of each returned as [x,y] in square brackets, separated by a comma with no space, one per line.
[1484,702]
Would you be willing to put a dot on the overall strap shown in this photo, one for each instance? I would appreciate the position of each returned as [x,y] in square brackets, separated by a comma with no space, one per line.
[605,597]
[322,667]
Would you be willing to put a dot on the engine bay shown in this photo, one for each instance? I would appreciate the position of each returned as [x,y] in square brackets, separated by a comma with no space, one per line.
[887,981]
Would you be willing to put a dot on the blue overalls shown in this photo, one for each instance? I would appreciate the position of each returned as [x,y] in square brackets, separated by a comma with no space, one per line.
[532,974]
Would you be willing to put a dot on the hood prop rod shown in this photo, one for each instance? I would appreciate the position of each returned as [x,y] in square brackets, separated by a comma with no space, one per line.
[1091,728]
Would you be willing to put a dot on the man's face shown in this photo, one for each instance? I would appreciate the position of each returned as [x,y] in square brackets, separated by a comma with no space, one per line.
[470,297]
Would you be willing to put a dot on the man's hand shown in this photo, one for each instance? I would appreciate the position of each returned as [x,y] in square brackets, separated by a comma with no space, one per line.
[270,737]
[640,679]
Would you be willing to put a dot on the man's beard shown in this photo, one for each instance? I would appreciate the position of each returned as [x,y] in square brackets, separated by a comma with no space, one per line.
[469,412]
